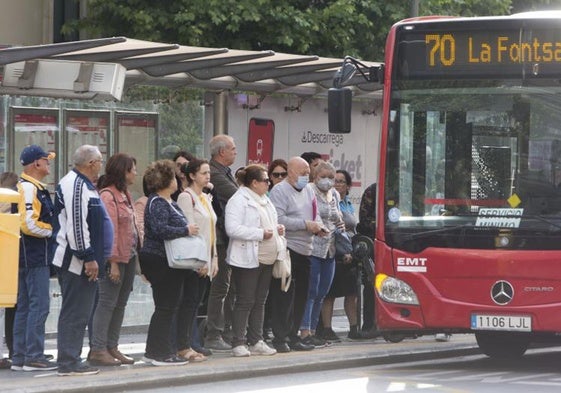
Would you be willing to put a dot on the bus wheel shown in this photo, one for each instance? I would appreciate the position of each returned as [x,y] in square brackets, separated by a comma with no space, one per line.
[393,337]
[502,345]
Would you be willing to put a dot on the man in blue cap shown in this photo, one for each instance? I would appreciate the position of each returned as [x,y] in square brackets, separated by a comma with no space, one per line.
[36,211]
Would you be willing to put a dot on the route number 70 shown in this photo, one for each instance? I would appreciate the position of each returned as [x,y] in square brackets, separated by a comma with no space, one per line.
[442,49]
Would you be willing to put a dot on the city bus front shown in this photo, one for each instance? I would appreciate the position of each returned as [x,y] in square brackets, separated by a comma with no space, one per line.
[469,227]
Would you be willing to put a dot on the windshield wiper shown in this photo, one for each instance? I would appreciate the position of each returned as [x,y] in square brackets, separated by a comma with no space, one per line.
[542,219]
[420,235]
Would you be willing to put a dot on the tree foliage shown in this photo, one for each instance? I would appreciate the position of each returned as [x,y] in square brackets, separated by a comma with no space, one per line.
[330,28]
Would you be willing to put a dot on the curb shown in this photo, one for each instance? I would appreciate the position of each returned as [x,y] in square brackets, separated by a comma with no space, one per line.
[149,377]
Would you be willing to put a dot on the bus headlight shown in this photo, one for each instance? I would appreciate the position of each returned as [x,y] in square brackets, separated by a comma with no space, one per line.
[393,290]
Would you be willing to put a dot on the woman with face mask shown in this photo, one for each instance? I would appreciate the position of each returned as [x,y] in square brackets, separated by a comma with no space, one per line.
[322,266]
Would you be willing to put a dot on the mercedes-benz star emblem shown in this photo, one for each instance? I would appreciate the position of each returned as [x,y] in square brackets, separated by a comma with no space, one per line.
[502,292]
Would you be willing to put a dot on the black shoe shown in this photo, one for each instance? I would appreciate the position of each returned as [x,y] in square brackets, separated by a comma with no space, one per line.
[329,335]
[282,347]
[80,370]
[355,335]
[369,334]
[40,365]
[314,341]
[300,346]
[5,364]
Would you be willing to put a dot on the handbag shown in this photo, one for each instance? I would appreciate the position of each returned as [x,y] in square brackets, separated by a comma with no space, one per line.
[282,266]
[343,243]
[187,252]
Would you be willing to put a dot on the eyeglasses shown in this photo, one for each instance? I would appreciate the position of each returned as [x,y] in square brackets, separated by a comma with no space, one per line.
[339,181]
[100,160]
[279,174]
[264,180]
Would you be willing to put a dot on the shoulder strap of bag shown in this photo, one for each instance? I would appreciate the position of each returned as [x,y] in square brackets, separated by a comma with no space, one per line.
[110,192]
[191,195]
[152,200]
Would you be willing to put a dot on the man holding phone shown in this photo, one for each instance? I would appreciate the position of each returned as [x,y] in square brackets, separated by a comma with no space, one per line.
[296,207]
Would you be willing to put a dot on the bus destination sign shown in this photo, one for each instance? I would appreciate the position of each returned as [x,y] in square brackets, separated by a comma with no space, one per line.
[476,53]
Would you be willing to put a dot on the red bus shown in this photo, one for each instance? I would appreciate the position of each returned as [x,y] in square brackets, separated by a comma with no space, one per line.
[468,235]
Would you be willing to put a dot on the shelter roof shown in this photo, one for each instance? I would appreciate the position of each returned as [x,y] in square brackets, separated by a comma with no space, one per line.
[156,63]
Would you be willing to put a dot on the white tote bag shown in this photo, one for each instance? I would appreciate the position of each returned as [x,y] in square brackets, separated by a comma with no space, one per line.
[187,252]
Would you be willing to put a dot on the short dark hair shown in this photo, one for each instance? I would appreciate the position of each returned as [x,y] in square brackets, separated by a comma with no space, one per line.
[309,156]
[159,175]
[183,153]
[192,167]
[348,178]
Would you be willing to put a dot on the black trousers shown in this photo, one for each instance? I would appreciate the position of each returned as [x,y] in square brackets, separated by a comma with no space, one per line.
[167,289]
[10,315]
[288,307]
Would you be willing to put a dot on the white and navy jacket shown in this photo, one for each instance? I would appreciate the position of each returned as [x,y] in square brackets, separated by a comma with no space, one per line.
[82,230]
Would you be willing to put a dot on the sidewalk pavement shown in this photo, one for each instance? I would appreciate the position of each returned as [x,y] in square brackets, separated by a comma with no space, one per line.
[222,366]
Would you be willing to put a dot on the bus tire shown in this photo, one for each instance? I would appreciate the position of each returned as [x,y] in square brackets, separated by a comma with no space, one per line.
[502,345]
[393,337]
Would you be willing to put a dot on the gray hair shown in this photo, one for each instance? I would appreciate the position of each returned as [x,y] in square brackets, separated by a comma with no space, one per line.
[324,165]
[84,154]
[219,142]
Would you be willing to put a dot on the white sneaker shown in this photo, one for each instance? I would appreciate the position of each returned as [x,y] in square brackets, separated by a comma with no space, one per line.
[260,348]
[442,337]
[240,351]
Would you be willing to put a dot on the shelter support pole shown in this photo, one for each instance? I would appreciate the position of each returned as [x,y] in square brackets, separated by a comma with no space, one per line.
[221,113]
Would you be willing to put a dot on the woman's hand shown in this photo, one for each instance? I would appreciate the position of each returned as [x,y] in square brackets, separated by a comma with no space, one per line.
[267,234]
[347,258]
[203,271]
[193,229]
[214,267]
[280,229]
[114,273]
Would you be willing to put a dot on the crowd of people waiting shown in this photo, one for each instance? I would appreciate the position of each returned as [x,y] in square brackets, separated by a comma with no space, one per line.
[95,238]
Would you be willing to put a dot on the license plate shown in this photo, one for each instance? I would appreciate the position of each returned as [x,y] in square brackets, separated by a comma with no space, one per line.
[513,323]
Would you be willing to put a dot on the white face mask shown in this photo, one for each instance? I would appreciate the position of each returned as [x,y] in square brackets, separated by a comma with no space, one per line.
[324,184]
[302,181]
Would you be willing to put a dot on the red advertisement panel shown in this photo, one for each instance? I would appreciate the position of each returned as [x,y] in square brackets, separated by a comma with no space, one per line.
[260,141]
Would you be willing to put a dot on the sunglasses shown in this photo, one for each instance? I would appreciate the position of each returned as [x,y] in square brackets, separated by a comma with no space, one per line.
[279,174]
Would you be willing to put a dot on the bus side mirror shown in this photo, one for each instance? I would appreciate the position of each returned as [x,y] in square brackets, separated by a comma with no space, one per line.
[339,103]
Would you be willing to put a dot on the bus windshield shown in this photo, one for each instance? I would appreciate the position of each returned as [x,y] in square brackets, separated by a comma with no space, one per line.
[474,163]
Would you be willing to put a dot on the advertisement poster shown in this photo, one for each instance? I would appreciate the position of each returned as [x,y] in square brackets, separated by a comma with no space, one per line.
[136,135]
[86,128]
[36,127]
[260,141]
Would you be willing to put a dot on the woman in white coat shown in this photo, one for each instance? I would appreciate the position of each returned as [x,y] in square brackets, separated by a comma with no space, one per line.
[252,226]
[197,207]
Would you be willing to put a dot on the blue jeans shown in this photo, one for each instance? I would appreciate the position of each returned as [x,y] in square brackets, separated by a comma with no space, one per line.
[322,271]
[31,315]
[77,302]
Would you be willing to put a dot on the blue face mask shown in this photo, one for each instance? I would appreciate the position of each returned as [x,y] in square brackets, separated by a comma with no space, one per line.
[302,181]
